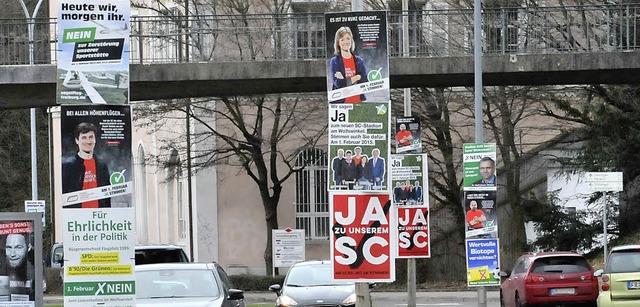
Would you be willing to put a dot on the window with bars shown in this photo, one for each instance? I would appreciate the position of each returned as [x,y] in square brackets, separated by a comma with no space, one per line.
[308,34]
[312,198]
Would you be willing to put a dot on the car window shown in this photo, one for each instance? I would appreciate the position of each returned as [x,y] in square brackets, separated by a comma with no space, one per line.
[312,275]
[149,256]
[226,282]
[520,266]
[623,261]
[565,264]
[172,283]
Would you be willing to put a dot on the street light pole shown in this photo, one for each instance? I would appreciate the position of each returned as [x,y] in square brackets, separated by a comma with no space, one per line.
[477,72]
[34,157]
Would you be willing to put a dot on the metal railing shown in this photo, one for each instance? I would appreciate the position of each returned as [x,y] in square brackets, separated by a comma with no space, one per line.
[432,33]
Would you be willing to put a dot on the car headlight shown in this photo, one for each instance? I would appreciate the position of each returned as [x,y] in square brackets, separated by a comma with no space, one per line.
[350,300]
[285,301]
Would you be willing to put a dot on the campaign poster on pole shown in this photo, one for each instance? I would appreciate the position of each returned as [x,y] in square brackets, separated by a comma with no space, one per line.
[481,215]
[409,180]
[93,52]
[362,246]
[483,262]
[414,237]
[479,162]
[97,170]
[359,146]
[408,135]
[358,64]
[99,257]
[21,277]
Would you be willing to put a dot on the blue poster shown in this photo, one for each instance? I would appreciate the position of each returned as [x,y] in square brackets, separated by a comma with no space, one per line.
[483,261]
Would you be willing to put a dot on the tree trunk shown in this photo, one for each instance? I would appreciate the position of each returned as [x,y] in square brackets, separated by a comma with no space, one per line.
[271,217]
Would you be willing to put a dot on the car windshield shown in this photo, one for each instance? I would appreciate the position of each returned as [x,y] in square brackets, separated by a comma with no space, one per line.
[564,264]
[176,283]
[312,275]
[624,261]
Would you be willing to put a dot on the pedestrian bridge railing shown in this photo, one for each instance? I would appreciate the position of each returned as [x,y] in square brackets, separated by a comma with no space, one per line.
[432,33]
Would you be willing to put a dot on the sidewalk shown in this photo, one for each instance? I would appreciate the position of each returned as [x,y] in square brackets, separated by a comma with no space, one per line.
[270,297]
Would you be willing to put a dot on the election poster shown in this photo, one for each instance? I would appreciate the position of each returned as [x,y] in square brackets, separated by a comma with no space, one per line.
[97,170]
[93,52]
[408,135]
[414,238]
[21,277]
[481,214]
[358,64]
[409,180]
[483,262]
[479,162]
[362,241]
[99,257]
[359,147]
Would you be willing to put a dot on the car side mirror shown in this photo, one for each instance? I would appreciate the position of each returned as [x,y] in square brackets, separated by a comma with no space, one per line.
[504,274]
[598,273]
[372,285]
[275,288]
[235,294]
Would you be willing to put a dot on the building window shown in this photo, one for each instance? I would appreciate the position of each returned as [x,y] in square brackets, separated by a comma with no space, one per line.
[308,34]
[312,199]
[501,30]
[417,35]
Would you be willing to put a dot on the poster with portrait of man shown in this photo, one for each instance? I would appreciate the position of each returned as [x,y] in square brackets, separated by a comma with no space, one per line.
[21,271]
[481,216]
[479,162]
[358,64]
[408,135]
[97,170]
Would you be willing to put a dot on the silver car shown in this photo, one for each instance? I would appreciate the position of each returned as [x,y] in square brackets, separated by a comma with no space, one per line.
[185,285]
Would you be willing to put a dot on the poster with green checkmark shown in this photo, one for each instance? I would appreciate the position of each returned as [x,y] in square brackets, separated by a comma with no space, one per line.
[358,63]
[96,156]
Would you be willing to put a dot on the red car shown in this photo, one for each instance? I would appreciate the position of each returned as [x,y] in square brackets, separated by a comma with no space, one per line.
[550,278]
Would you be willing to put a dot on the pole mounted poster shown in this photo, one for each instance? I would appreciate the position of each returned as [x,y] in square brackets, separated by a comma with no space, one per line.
[358,68]
[479,161]
[359,146]
[481,216]
[93,52]
[408,135]
[409,180]
[362,246]
[21,275]
[96,156]
[483,262]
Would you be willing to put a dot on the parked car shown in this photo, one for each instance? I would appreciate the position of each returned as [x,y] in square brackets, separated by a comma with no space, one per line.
[185,285]
[620,277]
[556,278]
[310,283]
[144,254]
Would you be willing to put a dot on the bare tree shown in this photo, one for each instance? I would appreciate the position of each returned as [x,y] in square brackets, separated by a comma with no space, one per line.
[260,135]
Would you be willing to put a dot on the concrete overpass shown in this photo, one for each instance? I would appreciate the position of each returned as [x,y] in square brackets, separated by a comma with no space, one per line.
[35,86]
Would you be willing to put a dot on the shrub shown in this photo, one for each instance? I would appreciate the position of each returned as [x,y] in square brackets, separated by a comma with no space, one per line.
[248,282]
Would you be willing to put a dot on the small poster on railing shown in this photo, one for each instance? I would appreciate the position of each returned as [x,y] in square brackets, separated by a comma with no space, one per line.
[93,52]
[358,64]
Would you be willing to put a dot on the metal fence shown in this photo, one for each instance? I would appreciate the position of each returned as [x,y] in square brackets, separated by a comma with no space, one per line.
[432,33]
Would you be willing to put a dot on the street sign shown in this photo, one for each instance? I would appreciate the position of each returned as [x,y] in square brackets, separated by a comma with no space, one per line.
[35,206]
[288,247]
[604,181]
